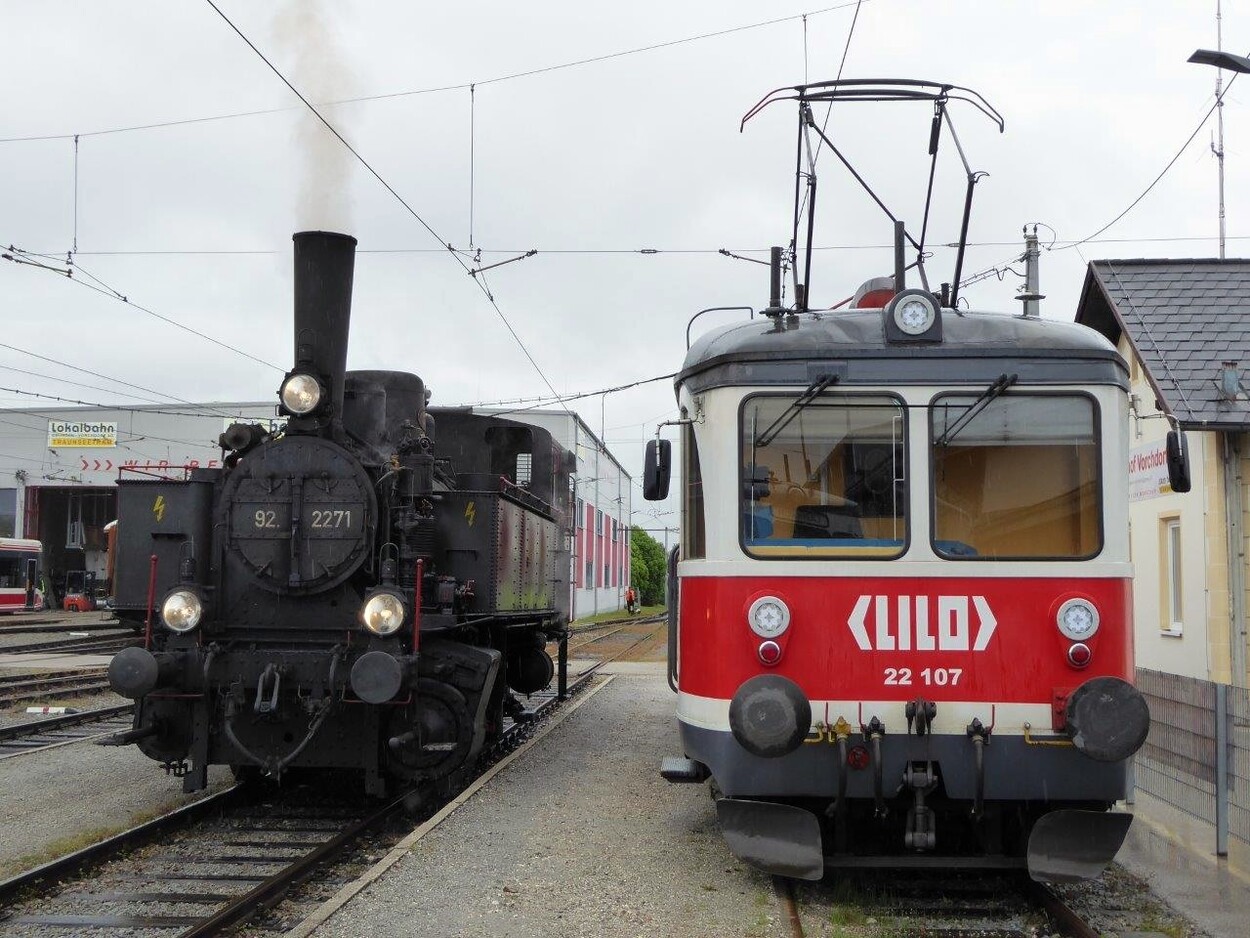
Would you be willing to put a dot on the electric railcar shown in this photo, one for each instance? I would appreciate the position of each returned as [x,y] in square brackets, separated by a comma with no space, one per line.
[901,632]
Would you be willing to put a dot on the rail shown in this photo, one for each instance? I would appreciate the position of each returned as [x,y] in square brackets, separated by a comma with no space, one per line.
[269,887]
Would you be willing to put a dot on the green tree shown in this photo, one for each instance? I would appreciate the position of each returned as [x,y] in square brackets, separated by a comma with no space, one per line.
[648,568]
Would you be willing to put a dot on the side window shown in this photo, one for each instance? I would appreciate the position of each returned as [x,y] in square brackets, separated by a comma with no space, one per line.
[8,512]
[524,468]
[694,537]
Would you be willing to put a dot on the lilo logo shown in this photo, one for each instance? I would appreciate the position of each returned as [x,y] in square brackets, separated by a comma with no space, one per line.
[921,623]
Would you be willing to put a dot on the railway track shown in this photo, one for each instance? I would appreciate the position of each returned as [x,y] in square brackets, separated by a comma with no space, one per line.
[226,858]
[93,644]
[19,739]
[30,687]
[936,905]
[621,625]
[623,620]
[52,626]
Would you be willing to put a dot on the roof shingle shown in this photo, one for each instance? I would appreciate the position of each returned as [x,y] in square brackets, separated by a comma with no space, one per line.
[1185,318]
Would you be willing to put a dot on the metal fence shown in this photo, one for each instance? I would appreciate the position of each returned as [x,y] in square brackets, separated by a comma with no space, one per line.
[1197,757]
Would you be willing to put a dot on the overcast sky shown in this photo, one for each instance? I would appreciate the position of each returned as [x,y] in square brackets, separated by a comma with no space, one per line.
[587,164]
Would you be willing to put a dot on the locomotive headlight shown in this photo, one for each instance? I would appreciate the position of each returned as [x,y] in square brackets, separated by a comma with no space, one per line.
[383,613]
[301,393]
[768,617]
[182,611]
[1077,619]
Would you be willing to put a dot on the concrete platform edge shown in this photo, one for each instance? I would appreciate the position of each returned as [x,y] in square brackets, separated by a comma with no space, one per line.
[1181,832]
[327,909]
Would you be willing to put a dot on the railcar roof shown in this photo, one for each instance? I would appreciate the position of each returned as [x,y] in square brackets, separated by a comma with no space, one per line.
[976,346]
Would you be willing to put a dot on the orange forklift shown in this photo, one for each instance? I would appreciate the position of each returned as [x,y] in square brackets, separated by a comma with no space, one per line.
[79,595]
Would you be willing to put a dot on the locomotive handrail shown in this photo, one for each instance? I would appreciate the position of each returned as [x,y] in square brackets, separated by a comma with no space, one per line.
[152,472]
[716,309]
[525,496]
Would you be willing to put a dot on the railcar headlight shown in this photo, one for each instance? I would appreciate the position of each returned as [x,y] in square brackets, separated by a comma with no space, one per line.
[1077,619]
[182,611]
[301,393]
[768,617]
[383,613]
[914,314]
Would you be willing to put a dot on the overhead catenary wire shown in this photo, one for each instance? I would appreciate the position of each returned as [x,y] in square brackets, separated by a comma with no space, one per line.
[543,401]
[479,281]
[17,256]
[263,252]
[122,440]
[1154,182]
[527,73]
[829,110]
[96,374]
[79,384]
[209,410]
[841,65]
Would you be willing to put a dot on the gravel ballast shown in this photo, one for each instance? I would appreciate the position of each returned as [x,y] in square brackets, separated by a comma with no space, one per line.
[69,797]
[579,837]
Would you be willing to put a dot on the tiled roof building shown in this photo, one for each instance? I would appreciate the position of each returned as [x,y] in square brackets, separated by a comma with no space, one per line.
[1183,319]
[1184,328]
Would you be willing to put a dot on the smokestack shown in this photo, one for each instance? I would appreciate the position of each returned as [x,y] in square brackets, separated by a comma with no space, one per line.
[324,262]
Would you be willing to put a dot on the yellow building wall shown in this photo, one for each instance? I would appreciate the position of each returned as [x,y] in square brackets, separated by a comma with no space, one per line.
[1201,648]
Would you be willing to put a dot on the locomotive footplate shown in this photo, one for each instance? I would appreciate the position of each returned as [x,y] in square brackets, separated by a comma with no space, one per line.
[284,709]
[273,710]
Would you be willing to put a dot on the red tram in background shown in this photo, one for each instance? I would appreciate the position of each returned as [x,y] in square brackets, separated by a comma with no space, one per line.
[19,575]
[900,614]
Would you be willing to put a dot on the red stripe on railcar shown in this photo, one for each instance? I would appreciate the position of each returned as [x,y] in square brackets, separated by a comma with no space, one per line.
[881,638]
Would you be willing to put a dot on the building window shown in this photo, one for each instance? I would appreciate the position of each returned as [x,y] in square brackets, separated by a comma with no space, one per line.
[581,514]
[8,512]
[1171,598]
[614,531]
[605,575]
[590,573]
[599,523]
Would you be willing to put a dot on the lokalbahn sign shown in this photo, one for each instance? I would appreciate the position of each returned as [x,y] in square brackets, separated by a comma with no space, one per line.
[81,433]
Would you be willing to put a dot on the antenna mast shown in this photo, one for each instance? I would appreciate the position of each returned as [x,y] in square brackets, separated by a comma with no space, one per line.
[1218,148]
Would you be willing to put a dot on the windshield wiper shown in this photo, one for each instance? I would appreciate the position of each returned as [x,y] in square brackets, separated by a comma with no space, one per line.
[814,390]
[1001,384]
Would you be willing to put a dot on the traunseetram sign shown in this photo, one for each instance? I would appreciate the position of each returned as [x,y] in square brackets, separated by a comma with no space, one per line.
[81,433]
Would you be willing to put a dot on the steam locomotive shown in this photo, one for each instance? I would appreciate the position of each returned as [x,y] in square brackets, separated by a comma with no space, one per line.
[367,588]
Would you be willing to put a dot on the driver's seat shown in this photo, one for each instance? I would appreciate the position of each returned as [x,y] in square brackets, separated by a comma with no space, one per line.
[825,522]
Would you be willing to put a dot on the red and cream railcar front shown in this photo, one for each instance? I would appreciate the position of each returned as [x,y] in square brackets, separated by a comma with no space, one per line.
[905,624]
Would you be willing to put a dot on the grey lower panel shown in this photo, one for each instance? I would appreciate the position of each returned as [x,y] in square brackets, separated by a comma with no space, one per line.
[1014,770]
